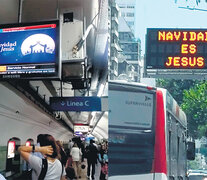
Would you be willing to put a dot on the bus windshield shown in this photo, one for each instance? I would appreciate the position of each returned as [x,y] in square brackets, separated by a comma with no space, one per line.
[131,132]
[131,109]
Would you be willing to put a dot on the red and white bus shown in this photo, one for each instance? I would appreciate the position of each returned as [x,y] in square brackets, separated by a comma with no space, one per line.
[147,134]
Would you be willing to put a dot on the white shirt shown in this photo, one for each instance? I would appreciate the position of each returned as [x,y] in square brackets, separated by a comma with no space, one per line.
[2,177]
[54,169]
[76,153]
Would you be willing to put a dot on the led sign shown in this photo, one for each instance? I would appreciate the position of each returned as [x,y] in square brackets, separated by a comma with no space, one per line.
[176,49]
[81,128]
[29,50]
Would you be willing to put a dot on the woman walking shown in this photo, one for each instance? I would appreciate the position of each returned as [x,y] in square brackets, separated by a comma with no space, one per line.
[76,157]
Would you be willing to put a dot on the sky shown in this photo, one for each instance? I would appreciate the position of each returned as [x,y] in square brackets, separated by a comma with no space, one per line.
[167,14]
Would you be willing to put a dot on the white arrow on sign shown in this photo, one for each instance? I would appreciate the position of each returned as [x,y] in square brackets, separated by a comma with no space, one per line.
[62,103]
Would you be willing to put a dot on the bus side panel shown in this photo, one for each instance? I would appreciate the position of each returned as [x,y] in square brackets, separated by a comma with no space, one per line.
[172,144]
[176,148]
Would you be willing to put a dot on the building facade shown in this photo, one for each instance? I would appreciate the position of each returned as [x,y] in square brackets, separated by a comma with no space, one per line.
[128,12]
[114,38]
[131,47]
[125,50]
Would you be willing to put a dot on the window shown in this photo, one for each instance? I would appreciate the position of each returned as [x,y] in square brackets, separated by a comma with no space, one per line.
[122,6]
[130,23]
[122,46]
[122,14]
[130,14]
[128,57]
[132,7]
[126,36]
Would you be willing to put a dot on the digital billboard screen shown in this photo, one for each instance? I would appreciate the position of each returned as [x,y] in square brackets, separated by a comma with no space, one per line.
[180,49]
[29,50]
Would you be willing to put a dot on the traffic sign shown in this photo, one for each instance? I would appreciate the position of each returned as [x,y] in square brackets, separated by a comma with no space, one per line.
[76,103]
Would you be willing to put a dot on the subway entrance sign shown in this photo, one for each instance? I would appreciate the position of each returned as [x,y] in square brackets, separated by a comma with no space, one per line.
[176,53]
[76,103]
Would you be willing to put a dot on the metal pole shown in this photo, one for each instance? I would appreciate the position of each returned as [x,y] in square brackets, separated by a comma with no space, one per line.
[20,11]
[61,89]
[57,9]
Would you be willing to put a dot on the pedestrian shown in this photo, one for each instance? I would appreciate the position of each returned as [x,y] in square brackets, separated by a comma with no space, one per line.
[70,173]
[81,146]
[70,144]
[92,155]
[53,170]
[103,159]
[76,157]
[27,171]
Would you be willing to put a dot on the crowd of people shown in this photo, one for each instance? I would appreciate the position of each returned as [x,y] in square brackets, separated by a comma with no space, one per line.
[49,160]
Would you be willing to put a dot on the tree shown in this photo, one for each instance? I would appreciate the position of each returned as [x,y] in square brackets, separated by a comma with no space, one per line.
[192,97]
[195,106]
[194,164]
[176,87]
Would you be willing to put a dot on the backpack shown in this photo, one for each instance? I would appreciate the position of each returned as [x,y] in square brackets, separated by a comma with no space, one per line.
[27,175]
[70,172]
[43,170]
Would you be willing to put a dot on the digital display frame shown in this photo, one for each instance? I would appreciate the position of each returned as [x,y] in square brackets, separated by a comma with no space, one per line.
[176,51]
[30,50]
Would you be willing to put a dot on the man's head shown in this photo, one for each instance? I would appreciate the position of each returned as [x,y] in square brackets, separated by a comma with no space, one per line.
[92,141]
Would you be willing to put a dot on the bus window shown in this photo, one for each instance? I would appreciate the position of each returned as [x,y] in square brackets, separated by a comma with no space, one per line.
[191,150]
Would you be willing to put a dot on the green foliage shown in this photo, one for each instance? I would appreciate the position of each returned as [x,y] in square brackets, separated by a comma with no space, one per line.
[192,96]
[176,87]
[193,164]
[195,106]
[203,151]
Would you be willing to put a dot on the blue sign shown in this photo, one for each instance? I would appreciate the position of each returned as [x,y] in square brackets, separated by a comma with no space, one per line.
[75,103]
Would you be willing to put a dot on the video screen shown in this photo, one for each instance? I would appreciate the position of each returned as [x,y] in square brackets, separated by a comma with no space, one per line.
[11,149]
[29,50]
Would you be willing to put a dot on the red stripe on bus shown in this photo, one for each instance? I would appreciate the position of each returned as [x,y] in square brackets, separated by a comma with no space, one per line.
[160,162]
